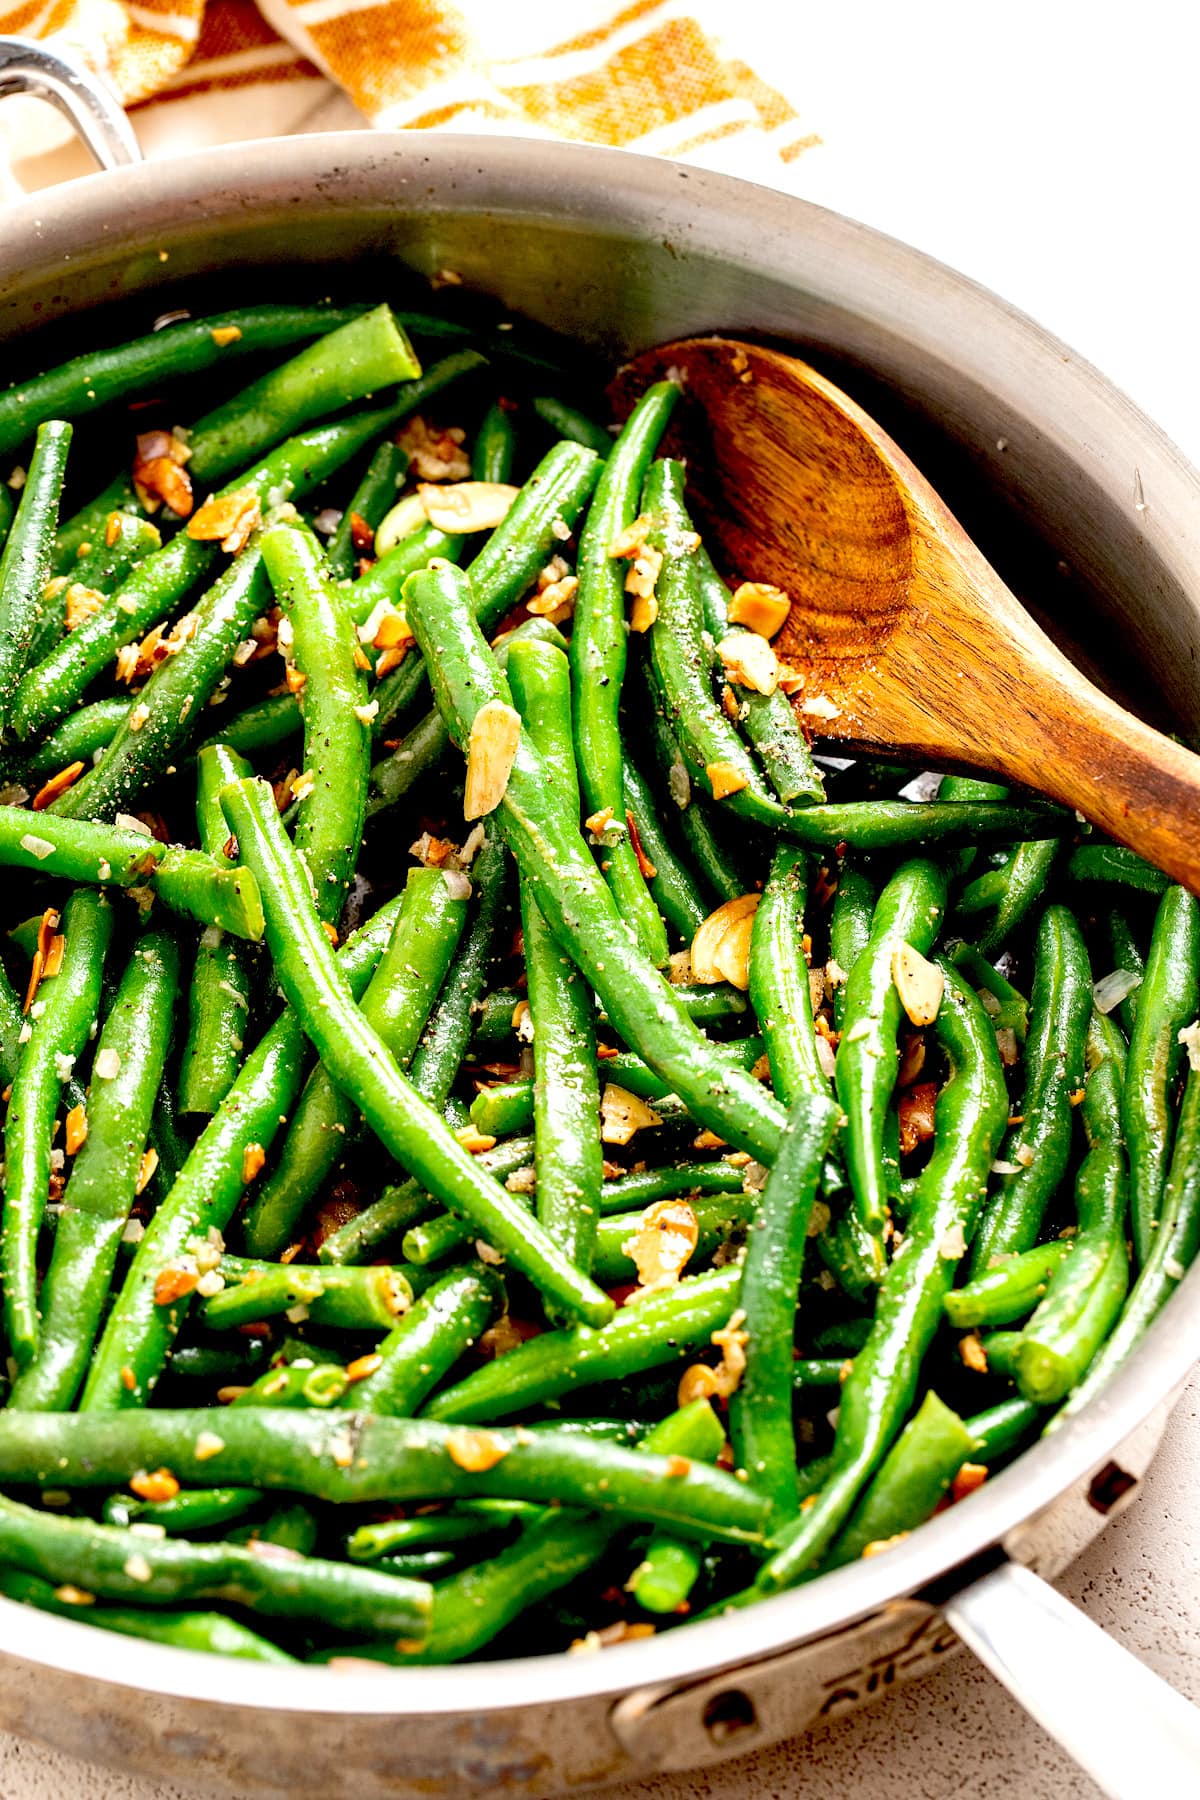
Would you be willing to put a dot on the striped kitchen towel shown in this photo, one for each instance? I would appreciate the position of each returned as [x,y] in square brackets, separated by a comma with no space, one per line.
[649,75]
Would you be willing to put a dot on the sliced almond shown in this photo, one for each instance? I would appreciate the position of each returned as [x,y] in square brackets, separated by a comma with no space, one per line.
[622,1114]
[725,779]
[228,518]
[491,752]
[709,964]
[434,455]
[408,515]
[664,1242]
[749,661]
[467,505]
[475,1450]
[82,603]
[759,607]
[918,982]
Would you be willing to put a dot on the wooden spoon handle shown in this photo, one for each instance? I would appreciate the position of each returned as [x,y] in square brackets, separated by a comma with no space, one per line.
[1029,714]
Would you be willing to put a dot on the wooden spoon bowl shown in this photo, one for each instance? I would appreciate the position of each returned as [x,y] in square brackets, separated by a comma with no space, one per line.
[907,638]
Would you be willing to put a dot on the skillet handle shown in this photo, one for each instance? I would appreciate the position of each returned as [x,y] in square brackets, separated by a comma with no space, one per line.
[92,108]
[1131,1732]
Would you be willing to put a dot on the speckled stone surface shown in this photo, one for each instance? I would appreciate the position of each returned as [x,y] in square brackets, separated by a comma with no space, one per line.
[953,1736]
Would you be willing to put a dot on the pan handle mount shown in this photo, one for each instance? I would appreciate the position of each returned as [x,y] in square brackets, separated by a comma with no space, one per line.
[1083,1689]
[92,108]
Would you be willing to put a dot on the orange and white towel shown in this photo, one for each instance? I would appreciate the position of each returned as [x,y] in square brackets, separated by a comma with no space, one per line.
[647,75]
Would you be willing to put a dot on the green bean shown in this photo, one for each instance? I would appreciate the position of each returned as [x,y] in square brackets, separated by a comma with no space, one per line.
[425,1344]
[639,1189]
[1085,1296]
[495,445]
[107,563]
[598,661]
[60,1021]
[779,989]
[153,733]
[760,1410]
[1038,1148]
[12,1021]
[704,1004]
[719,870]
[87,383]
[396,1005]
[657,1329]
[877,1393]
[385,579]
[229,1363]
[362,1457]
[191,1509]
[361,1065]
[7,509]
[372,498]
[263,725]
[105,1175]
[25,564]
[211,1632]
[672,886]
[1009,892]
[553,1548]
[98,1559]
[1126,955]
[219,997]
[77,739]
[293,1527]
[570,892]
[329,823]
[346,1299]
[1001,1428]
[670,1566]
[462,1524]
[819,1372]
[162,579]
[1168,1001]
[423,748]
[767,719]
[567,422]
[849,932]
[419,752]
[712,750]
[914,1478]
[505,1107]
[1009,1288]
[909,912]
[718,1218]
[138,1336]
[509,563]
[1000,1351]
[566,1086]
[365,356]
[1012,1010]
[299,1383]
[437,1236]
[1113,863]
[185,880]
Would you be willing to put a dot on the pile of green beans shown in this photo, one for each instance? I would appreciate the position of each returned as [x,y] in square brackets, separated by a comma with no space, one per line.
[502,1143]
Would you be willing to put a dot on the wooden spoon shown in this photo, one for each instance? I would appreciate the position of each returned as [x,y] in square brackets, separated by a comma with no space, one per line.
[907,637]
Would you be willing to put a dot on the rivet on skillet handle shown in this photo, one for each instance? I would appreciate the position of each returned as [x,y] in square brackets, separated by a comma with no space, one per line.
[92,108]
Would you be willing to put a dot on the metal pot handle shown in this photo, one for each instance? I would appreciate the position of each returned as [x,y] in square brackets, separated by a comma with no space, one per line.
[1131,1732]
[92,108]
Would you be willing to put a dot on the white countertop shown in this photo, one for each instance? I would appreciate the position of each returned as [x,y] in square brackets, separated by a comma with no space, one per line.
[1048,149]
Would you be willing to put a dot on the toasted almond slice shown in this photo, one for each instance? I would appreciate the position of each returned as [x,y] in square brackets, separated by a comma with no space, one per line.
[919,984]
[230,518]
[724,779]
[622,1114]
[82,603]
[225,334]
[57,784]
[749,661]
[475,1450]
[467,505]
[491,752]
[732,955]
[759,607]
[707,941]
[664,1242]
[643,612]
[76,1129]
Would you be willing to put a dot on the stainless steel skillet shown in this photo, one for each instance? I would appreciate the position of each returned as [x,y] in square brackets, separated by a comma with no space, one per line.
[624,252]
